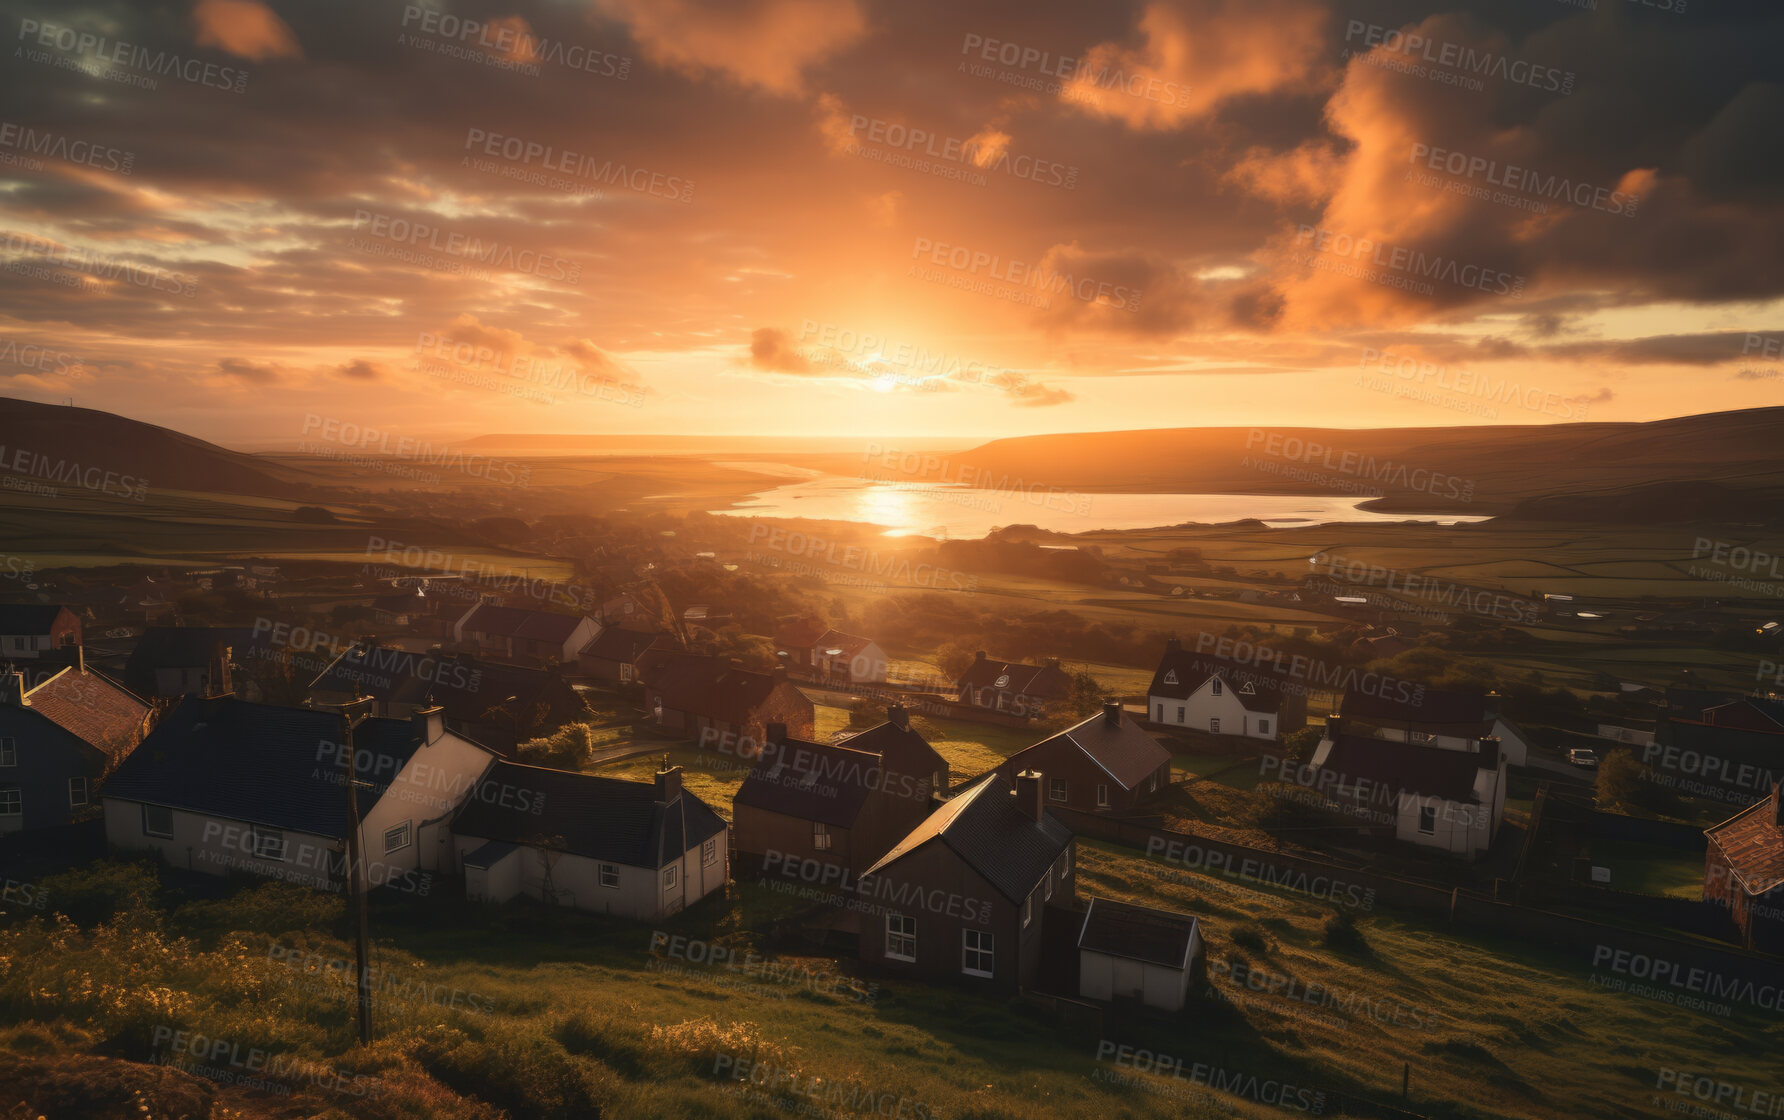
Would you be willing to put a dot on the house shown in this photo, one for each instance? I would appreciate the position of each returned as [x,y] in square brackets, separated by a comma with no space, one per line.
[95,708]
[1220,697]
[1106,763]
[1137,953]
[826,652]
[613,655]
[47,772]
[1450,800]
[1744,871]
[223,785]
[842,804]
[172,661]
[641,850]
[720,703]
[1451,719]
[403,610]
[1012,688]
[968,893]
[515,632]
[30,630]
[496,704]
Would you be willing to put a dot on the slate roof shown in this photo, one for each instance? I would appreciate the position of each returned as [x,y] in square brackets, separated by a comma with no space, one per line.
[466,687]
[94,707]
[905,742]
[1411,768]
[1463,707]
[1123,750]
[1025,680]
[513,622]
[28,618]
[626,643]
[1138,933]
[607,819]
[712,687]
[984,827]
[1181,672]
[260,764]
[811,781]
[1753,844]
[490,854]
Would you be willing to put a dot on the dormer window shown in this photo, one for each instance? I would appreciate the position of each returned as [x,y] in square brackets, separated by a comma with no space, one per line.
[1217,686]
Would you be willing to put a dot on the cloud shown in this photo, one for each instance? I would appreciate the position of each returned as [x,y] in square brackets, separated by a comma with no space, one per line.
[245,28]
[1305,175]
[1030,394]
[772,350]
[764,43]
[362,369]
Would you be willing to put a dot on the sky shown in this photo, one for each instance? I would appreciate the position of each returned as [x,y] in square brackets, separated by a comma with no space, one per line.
[260,221]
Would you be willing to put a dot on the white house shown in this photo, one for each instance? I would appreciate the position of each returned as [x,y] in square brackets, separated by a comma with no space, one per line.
[1451,800]
[1449,719]
[222,785]
[1207,694]
[1137,953]
[632,849]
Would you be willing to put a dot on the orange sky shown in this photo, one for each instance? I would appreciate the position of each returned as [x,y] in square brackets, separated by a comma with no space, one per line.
[835,217]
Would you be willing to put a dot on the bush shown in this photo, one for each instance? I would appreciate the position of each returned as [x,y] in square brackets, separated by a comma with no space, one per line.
[1341,932]
[1250,937]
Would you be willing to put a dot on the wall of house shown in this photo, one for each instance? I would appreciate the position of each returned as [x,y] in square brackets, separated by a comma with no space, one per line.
[312,861]
[497,883]
[942,881]
[437,779]
[64,631]
[759,831]
[575,881]
[1460,829]
[1515,750]
[47,758]
[1202,707]
[1082,775]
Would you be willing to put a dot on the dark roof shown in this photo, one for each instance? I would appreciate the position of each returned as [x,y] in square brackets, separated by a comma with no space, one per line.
[1460,706]
[984,827]
[1025,680]
[626,643]
[513,622]
[94,707]
[1138,933]
[1123,750]
[903,741]
[1181,672]
[1691,703]
[490,854]
[712,687]
[261,764]
[1753,844]
[582,814]
[811,781]
[1411,768]
[28,618]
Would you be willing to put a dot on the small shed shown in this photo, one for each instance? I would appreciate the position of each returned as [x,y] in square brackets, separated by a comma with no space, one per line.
[1135,952]
[492,872]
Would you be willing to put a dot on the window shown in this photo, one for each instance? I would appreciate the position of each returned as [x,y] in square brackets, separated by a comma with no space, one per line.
[976,955]
[1180,713]
[1428,820]
[77,792]
[11,804]
[671,876]
[269,843]
[1056,789]
[1214,724]
[1161,713]
[1217,686]
[709,852]
[397,838]
[21,645]
[610,876]
[1102,797]
[1065,863]
[9,752]
[1152,784]
[157,820]
[901,937]
[1028,910]
[1263,727]
[1047,885]
[820,836]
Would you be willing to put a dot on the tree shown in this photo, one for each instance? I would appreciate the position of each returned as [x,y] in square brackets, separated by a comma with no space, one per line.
[1087,694]
[953,660]
[1619,779]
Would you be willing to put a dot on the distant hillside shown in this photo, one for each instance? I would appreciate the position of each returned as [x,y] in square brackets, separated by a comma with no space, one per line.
[1663,503]
[75,439]
[1415,468]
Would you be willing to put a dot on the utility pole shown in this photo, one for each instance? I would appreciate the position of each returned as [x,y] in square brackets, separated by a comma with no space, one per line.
[356,867]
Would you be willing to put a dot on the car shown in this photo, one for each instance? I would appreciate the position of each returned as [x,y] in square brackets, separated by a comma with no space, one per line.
[1583,756]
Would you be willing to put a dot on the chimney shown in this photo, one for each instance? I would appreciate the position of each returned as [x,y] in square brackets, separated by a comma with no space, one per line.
[1051,663]
[80,660]
[1490,707]
[979,656]
[668,782]
[428,724]
[1334,727]
[1028,794]
[773,735]
[12,690]
[1489,753]
[898,716]
[1112,713]
[779,673]
[1172,645]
